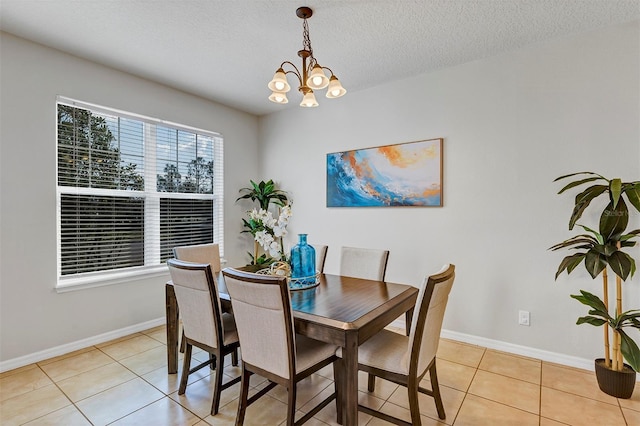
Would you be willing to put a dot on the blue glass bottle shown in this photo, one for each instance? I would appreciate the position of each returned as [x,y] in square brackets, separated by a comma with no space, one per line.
[303,261]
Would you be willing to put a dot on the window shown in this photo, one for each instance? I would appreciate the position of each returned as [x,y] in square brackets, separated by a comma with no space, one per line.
[131,188]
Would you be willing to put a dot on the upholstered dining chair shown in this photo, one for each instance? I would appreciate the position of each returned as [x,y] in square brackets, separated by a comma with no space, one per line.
[269,344]
[204,324]
[202,253]
[368,264]
[406,359]
[321,256]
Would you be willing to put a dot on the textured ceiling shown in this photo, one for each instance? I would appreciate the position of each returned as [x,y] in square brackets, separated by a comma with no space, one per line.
[227,50]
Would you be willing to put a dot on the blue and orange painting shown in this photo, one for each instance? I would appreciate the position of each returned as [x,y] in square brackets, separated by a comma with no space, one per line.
[408,174]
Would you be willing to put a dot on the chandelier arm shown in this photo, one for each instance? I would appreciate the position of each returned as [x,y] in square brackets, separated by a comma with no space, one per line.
[296,72]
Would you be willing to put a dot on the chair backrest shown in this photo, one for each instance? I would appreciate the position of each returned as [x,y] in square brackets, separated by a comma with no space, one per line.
[197,295]
[321,255]
[427,320]
[264,320]
[368,264]
[200,253]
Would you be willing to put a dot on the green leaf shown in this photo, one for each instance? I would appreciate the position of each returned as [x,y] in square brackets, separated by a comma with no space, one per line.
[597,235]
[622,264]
[576,174]
[615,188]
[593,301]
[614,220]
[577,183]
[630,351]
[579,239]
[597,322]
[595,263]
[633,194]
[583,200]
[569,263]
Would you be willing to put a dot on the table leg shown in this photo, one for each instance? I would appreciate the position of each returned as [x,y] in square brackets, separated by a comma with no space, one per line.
[171,307]
[350,371]
[408,317]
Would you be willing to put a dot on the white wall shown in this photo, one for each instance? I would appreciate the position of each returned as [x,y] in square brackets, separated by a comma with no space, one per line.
[511,124]
[33,317]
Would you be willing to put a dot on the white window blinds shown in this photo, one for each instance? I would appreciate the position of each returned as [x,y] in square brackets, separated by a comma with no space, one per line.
[130,188]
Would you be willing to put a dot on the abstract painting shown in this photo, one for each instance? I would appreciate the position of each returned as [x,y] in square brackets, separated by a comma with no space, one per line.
[407,174]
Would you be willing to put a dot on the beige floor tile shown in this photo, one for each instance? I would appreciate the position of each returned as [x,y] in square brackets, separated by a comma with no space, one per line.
[326,371]
[306,390]
[162,327]
[118,340]
[329,414]
[451,399]
[451,374]
[632,417]
[460,352]
[548,422]
[67,355]
[477,411]
[169,383]
[311,422]
[505,390]
[633,402]
[119,401]
[95,381]
[265,411]
[165,412]
[148,361]
[403,414]
[199,395]
[516,367]
[32,405]
[23,382]
[383,389]
[67,416]
[17,370]
[159,335]
[577,410]
[74,365]
[130,347]
[579,382]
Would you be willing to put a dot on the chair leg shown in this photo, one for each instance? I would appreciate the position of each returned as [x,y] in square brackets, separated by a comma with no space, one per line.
[212,360]
[337,380]
[291,405]
[182,343]
[371,382]
[185,368]
[436,390]
[217,385]
[234,357]
[242,400]
[414,408]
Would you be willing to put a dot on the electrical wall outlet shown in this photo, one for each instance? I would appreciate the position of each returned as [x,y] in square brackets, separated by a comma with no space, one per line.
[523,318]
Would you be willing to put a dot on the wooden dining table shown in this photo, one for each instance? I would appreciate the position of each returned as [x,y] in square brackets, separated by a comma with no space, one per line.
[344,311]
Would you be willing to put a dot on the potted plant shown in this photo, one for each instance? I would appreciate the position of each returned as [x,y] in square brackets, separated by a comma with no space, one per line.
[267,231]
[599,251]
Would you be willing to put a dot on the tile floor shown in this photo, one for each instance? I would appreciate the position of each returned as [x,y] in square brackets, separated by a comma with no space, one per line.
[125,382]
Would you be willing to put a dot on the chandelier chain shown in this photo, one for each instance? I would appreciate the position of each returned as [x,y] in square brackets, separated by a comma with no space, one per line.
[306,41]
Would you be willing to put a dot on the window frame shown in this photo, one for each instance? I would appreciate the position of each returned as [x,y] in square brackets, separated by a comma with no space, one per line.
[152,243]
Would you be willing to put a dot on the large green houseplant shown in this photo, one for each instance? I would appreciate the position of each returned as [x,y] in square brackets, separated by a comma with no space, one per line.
[599,251]
[267,230]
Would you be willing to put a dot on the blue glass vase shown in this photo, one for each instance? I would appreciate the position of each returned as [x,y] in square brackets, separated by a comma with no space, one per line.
[303,261]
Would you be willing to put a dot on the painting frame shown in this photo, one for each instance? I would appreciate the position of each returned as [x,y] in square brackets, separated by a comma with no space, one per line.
[407,174]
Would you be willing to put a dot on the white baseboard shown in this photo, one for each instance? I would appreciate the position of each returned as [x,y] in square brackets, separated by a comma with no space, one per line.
[562,359]
[10,364]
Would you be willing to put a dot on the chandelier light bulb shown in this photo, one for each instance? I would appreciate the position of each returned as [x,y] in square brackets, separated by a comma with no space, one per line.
[317,79]
[279,82]
[309,100]
[335,89]
[278,97]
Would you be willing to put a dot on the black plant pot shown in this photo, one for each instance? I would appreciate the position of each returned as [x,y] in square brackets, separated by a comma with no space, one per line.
[615,383]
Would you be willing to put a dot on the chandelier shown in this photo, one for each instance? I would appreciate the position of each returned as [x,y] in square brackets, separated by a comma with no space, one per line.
[312,76]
